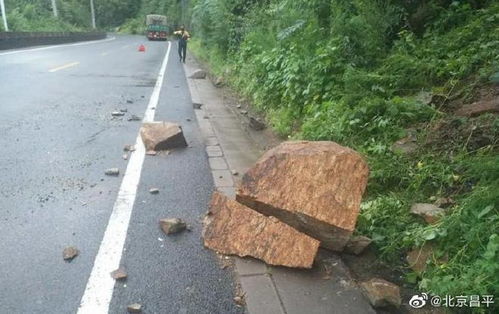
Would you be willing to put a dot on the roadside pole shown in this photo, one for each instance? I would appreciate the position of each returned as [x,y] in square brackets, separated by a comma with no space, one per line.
[54,8]
[93,13]
[5,26]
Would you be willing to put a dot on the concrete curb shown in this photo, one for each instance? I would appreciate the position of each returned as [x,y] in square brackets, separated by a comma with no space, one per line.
[12,40]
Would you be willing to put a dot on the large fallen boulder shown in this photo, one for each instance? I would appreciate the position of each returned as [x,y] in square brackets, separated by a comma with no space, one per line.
[234,229]
[162,136]
[315,187]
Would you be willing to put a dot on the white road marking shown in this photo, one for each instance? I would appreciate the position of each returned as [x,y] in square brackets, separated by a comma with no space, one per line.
[100,285]
[57,46]
[62,67]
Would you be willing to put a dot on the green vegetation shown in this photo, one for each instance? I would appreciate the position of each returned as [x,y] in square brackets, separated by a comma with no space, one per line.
[31,15]
[74,15]
[365,74]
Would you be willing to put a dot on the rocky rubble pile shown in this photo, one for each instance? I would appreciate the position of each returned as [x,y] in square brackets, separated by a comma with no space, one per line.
[298,196]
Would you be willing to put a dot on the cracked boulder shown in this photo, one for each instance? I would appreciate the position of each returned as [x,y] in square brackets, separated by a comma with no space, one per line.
[159,136]
[234,229]
[315,187]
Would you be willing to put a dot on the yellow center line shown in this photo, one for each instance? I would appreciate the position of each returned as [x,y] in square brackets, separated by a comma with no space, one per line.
[62,67]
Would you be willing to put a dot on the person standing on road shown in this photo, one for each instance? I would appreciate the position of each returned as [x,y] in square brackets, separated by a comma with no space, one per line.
[183,37]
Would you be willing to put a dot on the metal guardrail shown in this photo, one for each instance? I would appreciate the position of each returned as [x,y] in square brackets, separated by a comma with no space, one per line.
[11,40]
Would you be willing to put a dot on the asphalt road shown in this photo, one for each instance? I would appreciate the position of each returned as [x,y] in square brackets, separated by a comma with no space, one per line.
[58,137]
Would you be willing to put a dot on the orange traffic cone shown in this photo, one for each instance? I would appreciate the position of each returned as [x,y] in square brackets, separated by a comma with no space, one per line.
[142,48]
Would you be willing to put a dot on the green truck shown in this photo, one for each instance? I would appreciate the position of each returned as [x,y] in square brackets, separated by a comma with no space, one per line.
[156,28]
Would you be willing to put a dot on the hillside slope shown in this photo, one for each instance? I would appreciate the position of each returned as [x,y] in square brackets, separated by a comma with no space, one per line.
[390,80]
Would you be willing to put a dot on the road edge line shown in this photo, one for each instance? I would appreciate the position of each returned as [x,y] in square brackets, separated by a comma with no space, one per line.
[100,285]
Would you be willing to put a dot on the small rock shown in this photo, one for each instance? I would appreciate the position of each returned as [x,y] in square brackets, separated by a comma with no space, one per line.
[235,173]
[206,117]
[134,118]
[238,106]
[129,101]
[124,110]
[256,124]
[244,112]
[119,274]
[117,114]
[188,120]
[239,300]
[151,153]
[196,105]
[174,225]
[381,293]
[129,148]
[357,244]
[219,82]
[430,213]
[406,145]
[69,253]
[424,97]
[198,75]
[154,190]
[125,156]
[419,258]
[134,308]
[444,202]
[112,172]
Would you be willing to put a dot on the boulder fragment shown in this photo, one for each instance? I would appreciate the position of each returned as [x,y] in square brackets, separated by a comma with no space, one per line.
[444,202]
[129,148]
[381,293]
[162,136]
[154,190]
[119,274]
[134,118]
[134,308]
[174,225]
[256,124]
[419,258]
[315,187]
[234,229]
[219,82]
[479,107]
[430,213]
[69,253]
[117,114]
[357,245]
[198,75]
[112,172]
